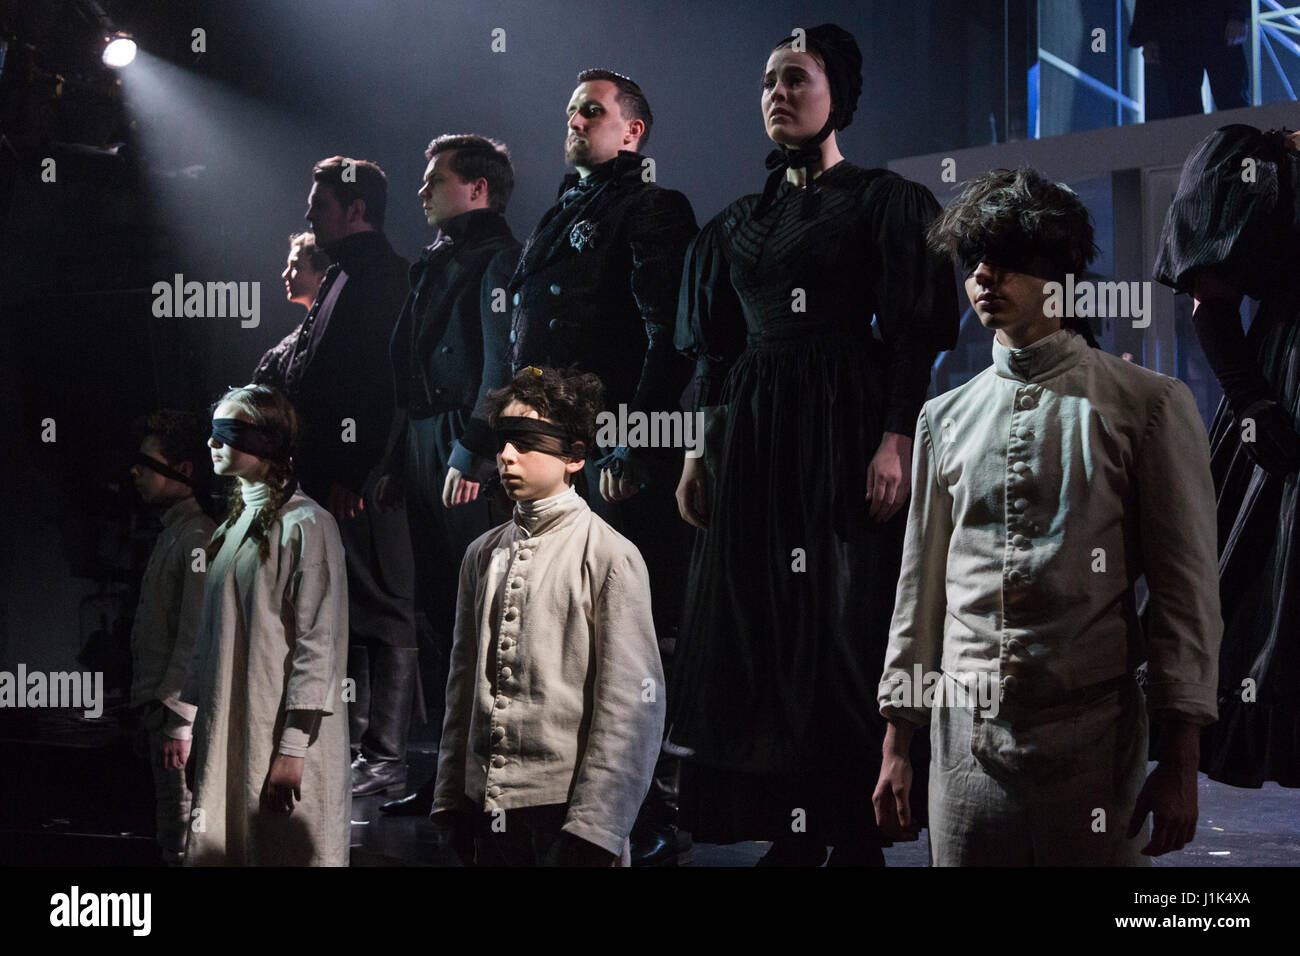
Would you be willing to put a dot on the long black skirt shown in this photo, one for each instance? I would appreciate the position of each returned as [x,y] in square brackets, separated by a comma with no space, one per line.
[1259,584]
[773,692]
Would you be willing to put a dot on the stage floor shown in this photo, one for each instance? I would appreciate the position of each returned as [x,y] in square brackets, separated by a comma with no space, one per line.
[1237,828]
[77,793]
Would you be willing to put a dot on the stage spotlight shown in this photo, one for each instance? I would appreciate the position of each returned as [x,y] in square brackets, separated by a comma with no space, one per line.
[119,50]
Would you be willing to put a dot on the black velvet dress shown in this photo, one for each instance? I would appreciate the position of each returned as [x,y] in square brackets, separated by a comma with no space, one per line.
[1248,233]
[772,700]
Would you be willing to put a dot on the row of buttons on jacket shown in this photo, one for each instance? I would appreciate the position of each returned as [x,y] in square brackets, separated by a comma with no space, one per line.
[505,673]
[1026,401]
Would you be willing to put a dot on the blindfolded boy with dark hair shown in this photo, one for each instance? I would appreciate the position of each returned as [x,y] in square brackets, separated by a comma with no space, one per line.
[555,705]
[1042,489]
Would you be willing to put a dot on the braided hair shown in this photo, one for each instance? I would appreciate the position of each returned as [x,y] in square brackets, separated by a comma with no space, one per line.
[269,408]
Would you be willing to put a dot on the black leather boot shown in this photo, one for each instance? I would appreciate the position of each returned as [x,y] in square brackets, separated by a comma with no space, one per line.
[359,709]
[418,804]
[382,764]
[656,840]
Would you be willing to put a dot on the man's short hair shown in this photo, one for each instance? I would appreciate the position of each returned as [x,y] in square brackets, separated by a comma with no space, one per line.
[368,183]
[569,398]
[182,435]
[477,157]
[305,243]
[631,101]
[1015,216]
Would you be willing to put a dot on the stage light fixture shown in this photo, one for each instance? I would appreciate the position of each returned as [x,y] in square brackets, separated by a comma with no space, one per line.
[119,50]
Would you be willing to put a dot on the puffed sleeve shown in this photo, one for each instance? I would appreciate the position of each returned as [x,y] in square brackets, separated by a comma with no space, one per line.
[275,361]
[710,323]
[914,292]
[1226,215]
[659,231]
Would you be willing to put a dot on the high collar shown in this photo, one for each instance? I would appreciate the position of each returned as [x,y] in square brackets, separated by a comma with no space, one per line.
[620,165]
[536,517]
[255,495]
[469,224]
[1048,357]
[185,508]
[355,250]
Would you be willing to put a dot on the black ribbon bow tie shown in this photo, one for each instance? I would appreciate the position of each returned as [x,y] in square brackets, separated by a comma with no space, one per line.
[778,161]
[784,158]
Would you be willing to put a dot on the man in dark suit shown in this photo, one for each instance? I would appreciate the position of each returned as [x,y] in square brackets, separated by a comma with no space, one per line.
[448,351]
[1182,41]
[339,381]
[597,288]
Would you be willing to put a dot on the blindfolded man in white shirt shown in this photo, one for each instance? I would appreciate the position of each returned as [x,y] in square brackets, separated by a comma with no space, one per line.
[1043,489]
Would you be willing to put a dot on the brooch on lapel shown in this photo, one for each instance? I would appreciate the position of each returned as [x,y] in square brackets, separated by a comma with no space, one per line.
[583,235]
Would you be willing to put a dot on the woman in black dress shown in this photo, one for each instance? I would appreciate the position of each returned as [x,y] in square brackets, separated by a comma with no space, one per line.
[1234,230]
[810,411]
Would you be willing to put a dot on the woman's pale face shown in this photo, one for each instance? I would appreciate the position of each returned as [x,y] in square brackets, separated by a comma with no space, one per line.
[301,281]
[796,96]
[232,461]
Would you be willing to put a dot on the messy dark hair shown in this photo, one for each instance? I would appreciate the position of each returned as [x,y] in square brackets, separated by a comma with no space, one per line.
[477,157]
[632,103]
[367,183]
[1020,220]
[569,398]
[1016,214]
[181,435]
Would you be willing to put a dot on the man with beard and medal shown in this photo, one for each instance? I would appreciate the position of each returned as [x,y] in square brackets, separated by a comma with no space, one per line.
[596,289]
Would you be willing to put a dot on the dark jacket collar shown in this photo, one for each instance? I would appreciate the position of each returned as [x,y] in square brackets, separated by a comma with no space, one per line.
[471,225]
[354,251]
[620,165]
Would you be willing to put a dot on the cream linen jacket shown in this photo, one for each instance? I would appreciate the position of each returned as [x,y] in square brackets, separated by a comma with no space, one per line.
[1041,490]
[556,692]
[167,617]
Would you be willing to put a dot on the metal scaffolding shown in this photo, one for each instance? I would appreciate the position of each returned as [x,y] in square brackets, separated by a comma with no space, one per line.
[1269,22]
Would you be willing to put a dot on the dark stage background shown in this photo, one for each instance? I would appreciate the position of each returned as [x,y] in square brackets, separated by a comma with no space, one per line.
[213,170]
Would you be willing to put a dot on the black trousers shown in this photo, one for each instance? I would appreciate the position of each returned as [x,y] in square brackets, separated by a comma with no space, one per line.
[528,836]
[381,623]
[1173,86]
[651,520]
[381,578]
[439,538]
